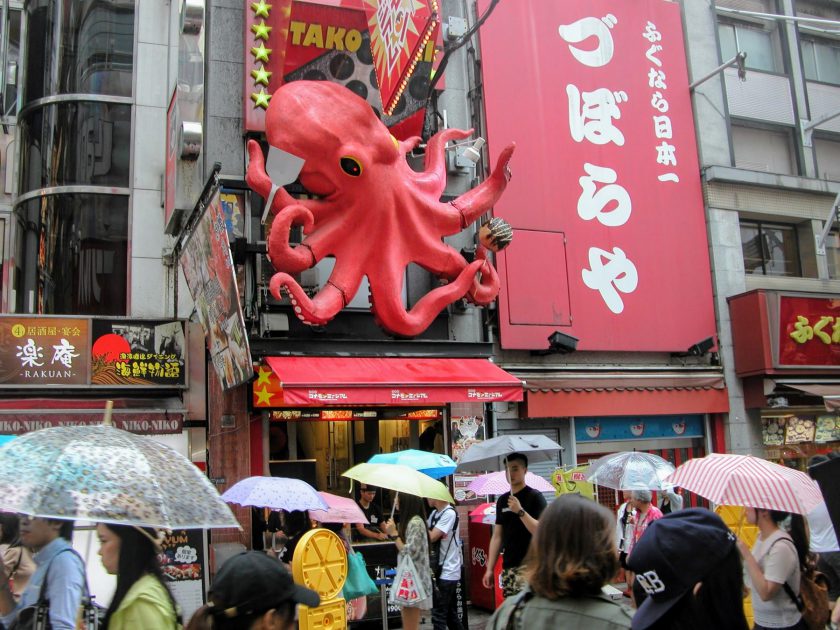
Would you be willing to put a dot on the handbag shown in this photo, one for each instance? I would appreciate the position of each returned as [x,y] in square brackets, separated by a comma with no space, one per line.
[358,582]
[37,616]
[407,589]
[812,600]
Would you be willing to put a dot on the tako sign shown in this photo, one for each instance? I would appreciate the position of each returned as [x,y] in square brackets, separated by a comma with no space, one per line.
[610,242]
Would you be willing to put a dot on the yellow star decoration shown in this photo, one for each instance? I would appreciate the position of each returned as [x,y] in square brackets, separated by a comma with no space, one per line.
[263,397]
[261,98]
[261,75]
[260,9]
[261,53]
[263,376]
[261,30]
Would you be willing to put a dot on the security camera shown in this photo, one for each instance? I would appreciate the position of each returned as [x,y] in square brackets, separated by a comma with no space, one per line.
[562,343]
[701,347]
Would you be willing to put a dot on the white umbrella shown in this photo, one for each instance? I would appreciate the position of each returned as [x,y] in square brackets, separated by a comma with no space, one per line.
[276,493]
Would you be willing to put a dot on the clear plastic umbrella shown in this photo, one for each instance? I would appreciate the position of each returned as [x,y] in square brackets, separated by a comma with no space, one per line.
[630,470]
[104,474]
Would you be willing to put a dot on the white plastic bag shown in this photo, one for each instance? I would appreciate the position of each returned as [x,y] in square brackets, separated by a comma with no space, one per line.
[407,589]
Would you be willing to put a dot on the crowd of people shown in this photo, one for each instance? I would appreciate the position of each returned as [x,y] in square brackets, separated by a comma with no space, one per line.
[685,568]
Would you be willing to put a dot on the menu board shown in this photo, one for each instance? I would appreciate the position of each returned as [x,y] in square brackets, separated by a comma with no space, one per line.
[183,562]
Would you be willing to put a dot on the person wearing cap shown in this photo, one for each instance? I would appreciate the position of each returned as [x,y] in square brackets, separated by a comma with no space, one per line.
[571,558]
[690,569]
[141,599]
[517,514]
[370,530]
[824,539]
[252,592]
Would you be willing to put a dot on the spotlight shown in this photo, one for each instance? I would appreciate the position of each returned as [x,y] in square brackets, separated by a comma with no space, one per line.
[701,347]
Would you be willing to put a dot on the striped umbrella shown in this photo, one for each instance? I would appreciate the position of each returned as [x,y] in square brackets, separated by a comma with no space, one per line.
[748,481]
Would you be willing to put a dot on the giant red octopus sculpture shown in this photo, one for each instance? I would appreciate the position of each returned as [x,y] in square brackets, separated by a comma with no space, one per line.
[373,213]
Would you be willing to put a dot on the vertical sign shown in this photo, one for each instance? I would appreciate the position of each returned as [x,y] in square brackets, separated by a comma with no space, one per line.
[611,239]
[208,268]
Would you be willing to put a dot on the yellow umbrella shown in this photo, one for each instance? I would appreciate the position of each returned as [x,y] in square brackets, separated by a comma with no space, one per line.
[401,479]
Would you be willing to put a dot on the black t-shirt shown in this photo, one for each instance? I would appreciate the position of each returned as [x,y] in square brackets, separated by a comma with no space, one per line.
[515,536]
[374,516]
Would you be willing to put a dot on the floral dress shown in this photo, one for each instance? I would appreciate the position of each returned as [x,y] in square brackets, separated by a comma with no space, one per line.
[417,547]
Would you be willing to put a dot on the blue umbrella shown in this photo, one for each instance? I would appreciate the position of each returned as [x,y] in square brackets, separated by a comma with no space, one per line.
[434,465]
[5,439]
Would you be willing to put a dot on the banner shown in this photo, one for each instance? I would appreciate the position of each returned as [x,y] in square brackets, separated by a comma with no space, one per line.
[183,564]
[208,268]
[610,238]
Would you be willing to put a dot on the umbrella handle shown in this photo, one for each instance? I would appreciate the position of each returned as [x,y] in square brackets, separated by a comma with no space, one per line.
[106,417]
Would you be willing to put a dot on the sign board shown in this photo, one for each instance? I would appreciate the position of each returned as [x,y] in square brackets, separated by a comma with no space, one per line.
[610,236]
[809,331]
[208,268]
[183,562]
[44,351]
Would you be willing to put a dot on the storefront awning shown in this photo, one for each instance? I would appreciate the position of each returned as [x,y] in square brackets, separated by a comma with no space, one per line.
[391,381]
[625,395]
[830,393]
[145,416]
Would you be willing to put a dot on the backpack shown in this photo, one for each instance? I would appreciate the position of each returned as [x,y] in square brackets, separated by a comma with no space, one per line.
[812,600]
[435,558]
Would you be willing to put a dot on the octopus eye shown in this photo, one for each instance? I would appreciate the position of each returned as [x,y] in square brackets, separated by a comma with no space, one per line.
[351,166]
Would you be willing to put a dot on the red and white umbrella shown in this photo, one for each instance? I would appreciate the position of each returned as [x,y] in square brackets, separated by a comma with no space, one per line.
[484,513]
[744,480]
[339,510]
[497,483]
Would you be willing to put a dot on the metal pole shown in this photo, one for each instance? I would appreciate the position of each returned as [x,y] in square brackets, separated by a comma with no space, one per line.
[737,59]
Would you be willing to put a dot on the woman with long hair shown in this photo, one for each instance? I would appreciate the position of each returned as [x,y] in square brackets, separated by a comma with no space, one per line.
[688,565]
[16,558]
[413,540]
[774,564]
[252,592]
[141,599]
[572,556]
[295,524]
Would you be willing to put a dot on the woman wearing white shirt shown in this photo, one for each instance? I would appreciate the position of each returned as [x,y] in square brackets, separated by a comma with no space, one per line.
[774,561]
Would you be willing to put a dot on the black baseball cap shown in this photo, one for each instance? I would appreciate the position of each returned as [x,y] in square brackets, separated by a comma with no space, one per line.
[252,582]
[675,552]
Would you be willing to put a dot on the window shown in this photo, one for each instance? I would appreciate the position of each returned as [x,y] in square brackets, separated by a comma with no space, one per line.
[821,59]
[828,157]
[763,53]
[832,255]
[764,149]
[770,249]
[72,255]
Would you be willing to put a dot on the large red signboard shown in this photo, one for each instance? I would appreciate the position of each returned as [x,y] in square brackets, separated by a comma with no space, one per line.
[809,331]
[610,242]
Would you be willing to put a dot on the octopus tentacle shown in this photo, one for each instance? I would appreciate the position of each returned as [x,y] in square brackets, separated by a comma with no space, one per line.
[280,253]
[390,313]
[433,177]
[317,311]
[486,286]
[472,204]
[257,178]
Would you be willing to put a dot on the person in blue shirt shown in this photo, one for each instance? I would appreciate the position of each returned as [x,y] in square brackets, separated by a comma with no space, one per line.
[55,559]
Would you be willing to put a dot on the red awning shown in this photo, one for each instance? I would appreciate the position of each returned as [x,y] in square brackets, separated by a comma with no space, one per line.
[391,381]
[626,395]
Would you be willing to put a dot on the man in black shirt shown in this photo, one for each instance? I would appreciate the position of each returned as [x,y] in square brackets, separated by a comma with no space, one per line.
[517,514]
[371,530]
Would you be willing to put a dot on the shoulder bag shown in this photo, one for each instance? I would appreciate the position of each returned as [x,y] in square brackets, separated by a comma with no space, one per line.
[358,582]
[812,600]
[37,616]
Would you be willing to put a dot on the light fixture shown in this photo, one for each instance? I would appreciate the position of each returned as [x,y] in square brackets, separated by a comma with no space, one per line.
[702,347]
[466,154]
[558,343]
